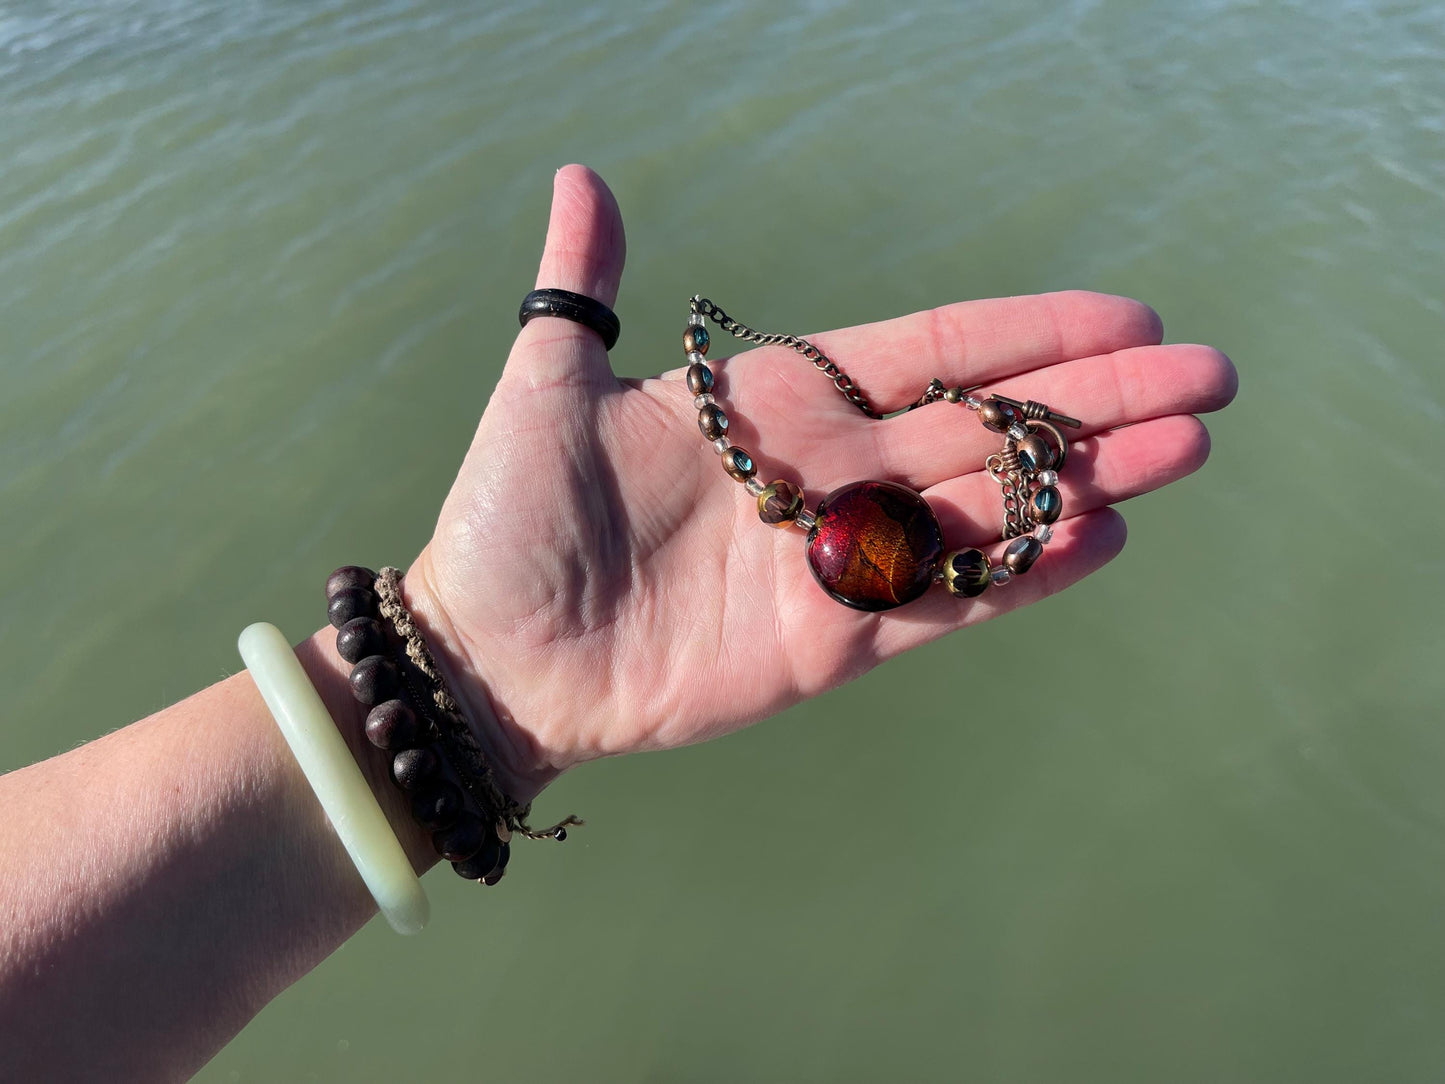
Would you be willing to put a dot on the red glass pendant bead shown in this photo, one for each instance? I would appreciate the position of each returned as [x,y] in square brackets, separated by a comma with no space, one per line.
[875,545]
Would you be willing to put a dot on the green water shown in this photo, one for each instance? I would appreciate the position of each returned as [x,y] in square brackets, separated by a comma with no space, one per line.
[1199,838]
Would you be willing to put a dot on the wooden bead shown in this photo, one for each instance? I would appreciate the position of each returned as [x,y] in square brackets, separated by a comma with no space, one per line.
[463,839]
[350,603]
[739,464]
[965,573]
[483,862]
[437,806]
[375,679]
[360,637]
[1021,554]
[695,338]
[699,378]
[712,421]
[391,725]
[997,415]
[500,870]
[1035,453]
[779,503]
[1045,505]
[348,576]
[411,769]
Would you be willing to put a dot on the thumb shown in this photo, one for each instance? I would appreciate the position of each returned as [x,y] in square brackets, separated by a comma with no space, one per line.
[584,253]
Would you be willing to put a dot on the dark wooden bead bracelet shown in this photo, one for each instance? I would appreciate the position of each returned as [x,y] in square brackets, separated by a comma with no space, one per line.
[400,723]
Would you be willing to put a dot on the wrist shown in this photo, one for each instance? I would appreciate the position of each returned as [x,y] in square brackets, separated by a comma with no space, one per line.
[330,674]
[519,760]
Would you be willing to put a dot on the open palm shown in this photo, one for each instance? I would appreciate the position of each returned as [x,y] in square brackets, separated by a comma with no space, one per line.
[598,583]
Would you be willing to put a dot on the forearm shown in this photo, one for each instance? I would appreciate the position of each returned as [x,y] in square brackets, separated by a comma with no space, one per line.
[164,882]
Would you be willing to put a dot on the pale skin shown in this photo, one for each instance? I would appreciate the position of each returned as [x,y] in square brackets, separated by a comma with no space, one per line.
[590,567]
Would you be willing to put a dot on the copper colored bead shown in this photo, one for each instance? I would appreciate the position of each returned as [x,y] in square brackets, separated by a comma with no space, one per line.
[1021,554]
[997,415]
[695,338]
[1045,505]
[779,503]
[1035,453]
[739,464]
[712,421]
[965,573]
[699,378]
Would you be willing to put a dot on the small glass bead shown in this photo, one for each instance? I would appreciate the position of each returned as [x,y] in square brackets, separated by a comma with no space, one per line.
[1000,575]
[805,519]
[973,402]
[705,399]
[1044,531]
[695,358]
[697,319]
[1048,478]
[1018,432]
[755,485]
[721,445]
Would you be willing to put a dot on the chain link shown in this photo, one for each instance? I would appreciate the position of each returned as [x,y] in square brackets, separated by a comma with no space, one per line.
[821,361]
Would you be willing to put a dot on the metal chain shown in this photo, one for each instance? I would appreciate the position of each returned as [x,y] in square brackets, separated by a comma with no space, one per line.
[821,361]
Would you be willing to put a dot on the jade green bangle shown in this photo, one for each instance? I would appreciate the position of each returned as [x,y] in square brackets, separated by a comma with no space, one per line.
[333,774]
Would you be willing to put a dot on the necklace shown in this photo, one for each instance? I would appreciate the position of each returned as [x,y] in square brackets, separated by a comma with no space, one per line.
[876,545]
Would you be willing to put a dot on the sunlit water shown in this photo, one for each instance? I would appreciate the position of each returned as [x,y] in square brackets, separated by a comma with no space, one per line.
[1182,823]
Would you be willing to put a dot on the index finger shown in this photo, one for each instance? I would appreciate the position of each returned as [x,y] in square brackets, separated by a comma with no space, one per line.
[973,342]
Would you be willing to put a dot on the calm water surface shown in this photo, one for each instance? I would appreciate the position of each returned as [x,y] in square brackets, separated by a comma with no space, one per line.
[1209,847]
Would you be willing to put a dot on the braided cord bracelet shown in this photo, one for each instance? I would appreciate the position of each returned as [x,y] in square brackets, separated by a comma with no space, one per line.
[875,545]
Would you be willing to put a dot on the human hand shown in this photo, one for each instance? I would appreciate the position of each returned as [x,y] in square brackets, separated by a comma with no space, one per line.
[598,585]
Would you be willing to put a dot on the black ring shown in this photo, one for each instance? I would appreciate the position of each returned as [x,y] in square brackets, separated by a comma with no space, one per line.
[579,308]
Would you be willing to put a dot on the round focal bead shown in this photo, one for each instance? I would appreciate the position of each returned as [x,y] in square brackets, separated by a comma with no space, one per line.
[997,415]
[739,464]
[1045,505]
[712,421]
[779,503]
[1035,453]
[695,339]
[1022,553]
[699,378]
[965,572]
[874,545]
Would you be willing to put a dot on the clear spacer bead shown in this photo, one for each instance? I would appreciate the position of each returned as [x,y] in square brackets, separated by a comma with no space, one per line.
[973,402]
[1048,478]
[805,520]
[693,357]
[721,445]
[705,399]
[696,319]
[755,485]
[1043,532]
[1000,575]
[1017,431]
